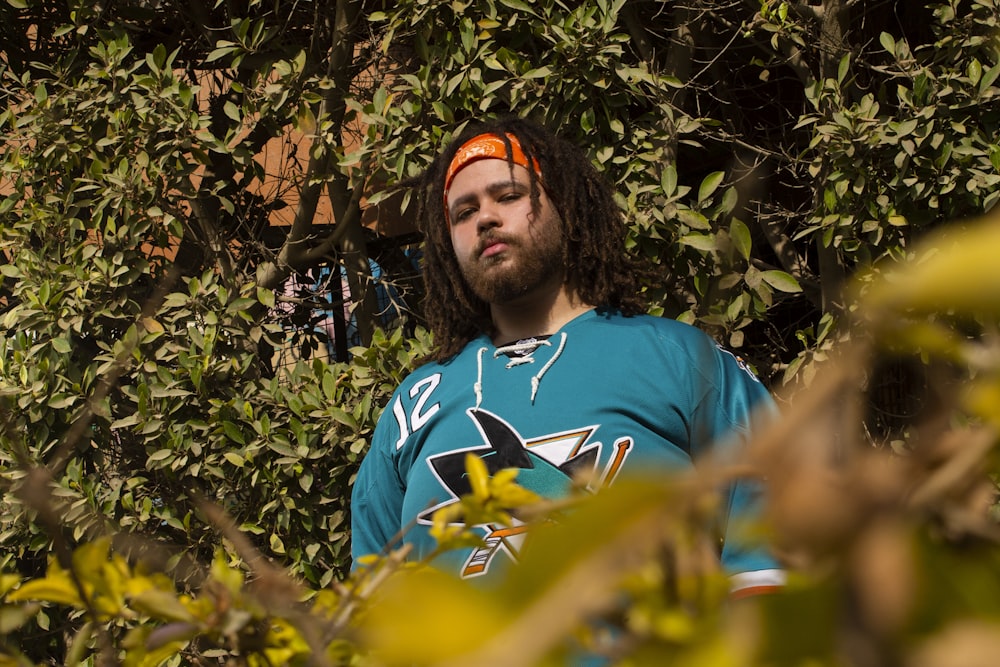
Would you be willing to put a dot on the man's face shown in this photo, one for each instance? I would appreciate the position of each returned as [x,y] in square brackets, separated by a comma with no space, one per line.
[505,249]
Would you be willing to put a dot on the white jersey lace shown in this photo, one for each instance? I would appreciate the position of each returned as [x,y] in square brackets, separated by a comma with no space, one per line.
[522,352]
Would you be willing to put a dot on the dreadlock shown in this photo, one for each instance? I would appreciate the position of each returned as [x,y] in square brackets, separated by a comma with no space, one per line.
[597,265]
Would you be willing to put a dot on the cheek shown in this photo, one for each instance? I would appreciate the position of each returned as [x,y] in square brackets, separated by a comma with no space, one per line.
[459,241]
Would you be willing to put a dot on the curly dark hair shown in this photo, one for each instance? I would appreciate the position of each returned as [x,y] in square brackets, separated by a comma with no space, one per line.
[598,267]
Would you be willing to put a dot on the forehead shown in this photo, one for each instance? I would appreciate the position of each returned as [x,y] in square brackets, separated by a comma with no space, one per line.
[482,174]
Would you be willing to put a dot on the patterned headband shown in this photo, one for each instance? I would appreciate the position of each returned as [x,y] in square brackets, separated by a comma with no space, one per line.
[483,147]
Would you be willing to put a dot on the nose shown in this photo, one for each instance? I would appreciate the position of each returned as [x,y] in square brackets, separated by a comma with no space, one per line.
[489,217]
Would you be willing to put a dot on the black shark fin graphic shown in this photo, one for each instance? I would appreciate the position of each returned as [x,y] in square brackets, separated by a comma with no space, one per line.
[508,448]
[585,462]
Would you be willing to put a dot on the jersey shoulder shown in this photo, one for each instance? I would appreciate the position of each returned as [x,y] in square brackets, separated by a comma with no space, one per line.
[680,342]
[670,332]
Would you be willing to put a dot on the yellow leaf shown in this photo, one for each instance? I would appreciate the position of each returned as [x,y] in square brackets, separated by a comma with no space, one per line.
[478,476]
[162,605]
[90,558]
[675,625]
[956,271]
[284,644]
[306,120]
[229,576]
[505,476]
[147,646]
[388,103]
[151,325]
[471,614]
[512,496]
[103,574]
[56,587]
[7,582]
[138,584]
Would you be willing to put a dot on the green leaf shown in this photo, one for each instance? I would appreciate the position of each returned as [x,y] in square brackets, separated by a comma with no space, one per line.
[538,73]
[235,459]
[159,455]
[843,68]
[329,386]
[266,297]
[241,304]
[703,242]
[887,42]
[781,281]
[305,480]
[232,111]
[729,200]
[61,401]
[709,185]
[989,78]
[281,448]
[906,127]
[519,5]
[974,71]
[233,432]
[693,219]
[220,52]
[343,417]
[740,234]
[10,271]
[668,180]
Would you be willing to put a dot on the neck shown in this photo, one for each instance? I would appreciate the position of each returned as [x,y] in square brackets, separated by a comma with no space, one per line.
[536,315]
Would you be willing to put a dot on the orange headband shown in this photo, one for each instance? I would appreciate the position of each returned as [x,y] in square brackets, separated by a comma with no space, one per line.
[484,147]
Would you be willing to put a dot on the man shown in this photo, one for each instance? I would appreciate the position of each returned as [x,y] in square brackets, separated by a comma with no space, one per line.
[542,360]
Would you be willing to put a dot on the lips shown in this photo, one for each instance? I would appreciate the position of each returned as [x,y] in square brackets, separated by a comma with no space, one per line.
[492,246]
[493,249]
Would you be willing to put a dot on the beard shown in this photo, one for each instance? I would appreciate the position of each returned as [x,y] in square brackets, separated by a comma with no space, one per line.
[525,265]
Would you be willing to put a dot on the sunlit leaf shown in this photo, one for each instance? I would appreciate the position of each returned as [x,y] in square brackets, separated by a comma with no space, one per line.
[954,271]
[478,475]
[444,602]
[709,185]
[57,586]
[740,234]
[781,281]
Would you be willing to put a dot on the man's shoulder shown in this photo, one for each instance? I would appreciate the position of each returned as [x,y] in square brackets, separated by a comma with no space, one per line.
[652,337]
[661,326]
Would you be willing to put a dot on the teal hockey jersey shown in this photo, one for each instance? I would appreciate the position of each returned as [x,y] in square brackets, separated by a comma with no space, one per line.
[604,395]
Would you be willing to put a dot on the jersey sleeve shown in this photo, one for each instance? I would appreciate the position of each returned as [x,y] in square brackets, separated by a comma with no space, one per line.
[377,496]
[726,416]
